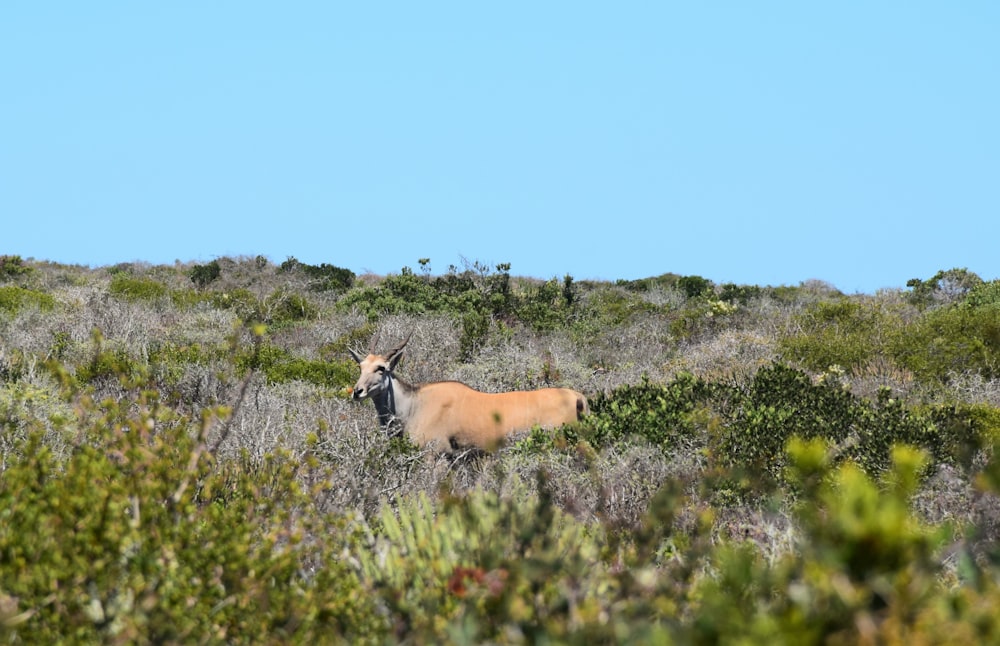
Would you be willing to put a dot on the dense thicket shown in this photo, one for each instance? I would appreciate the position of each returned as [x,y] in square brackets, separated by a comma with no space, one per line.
[180,460]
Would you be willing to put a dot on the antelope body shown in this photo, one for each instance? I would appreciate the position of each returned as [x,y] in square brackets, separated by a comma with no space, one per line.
[451,415]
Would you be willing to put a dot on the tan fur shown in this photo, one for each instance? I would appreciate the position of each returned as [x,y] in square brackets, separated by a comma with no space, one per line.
[467,417]
[450,415]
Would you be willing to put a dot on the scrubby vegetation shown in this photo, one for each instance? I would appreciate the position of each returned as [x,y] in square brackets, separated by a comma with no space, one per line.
[180,460]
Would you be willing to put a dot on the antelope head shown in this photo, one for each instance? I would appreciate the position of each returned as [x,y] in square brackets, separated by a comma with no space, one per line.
[376,369]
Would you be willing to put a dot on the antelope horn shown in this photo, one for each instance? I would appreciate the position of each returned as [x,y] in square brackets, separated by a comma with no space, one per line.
[371,347]
[401,345]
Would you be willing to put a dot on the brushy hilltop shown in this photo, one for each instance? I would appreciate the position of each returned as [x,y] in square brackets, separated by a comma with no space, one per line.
[180,460]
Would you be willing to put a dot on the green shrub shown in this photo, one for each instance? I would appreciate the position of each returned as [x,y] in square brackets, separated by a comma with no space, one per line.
[140,537]
[476,295]
[865,569]
[844,332]
[405,293]
[962,431]
[279,309]
[137,288]
[167,361]
[12,267]
[701,317]
[13,299]
[606,308]
[984,295]
[663,281]
[782,403]
[475,330]
[188,298]
[243,304]
[12,366]
[323,277]
[204,275]
[664,415]
[289,308]
[946,286]
[481,569]
[114,363]
[741,294]
[694,286]
[280,366]
[953,340]
[746,430]
[544,307]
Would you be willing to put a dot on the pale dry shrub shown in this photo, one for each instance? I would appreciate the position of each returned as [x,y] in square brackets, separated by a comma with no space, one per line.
[30,330]
[278,416]
[880,372]
[500,366]
[431,351]
[524,362]
[367,469]
[631,476]
[196,386]
[306,340]
[615,484]
[35,331]
[670,298]
[947,496]
[772,532]
[132,327]
[572,485]
[771,316]
[204,326]
[623,354]
[51,277]
[733,353]
[972,387]
[245,272]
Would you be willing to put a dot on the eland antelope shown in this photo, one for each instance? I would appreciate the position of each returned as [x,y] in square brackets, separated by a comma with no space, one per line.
[450,415]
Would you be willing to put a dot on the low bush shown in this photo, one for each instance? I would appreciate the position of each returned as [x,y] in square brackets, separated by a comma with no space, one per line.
[843,332]
[280,366]
[140,537]
[13,299]
[133,288]
[13,267]
[782,403]
[954,339]
[946,286]
[203,275]
[663,415]
[865,569]
[280,308]
[323,277]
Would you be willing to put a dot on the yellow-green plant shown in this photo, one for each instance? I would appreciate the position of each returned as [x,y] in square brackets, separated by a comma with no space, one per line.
[866,569]
[140,536]
[482,563]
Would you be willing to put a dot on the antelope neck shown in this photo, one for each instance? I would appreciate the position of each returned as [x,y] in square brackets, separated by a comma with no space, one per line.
[387,404]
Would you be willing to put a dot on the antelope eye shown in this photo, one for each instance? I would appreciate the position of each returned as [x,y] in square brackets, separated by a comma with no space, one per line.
[379,368]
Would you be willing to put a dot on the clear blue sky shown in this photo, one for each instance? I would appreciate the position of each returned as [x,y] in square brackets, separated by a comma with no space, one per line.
[755,142]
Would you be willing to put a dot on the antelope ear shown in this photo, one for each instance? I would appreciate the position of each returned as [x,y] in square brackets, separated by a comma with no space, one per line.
[354,355]
[394,358]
